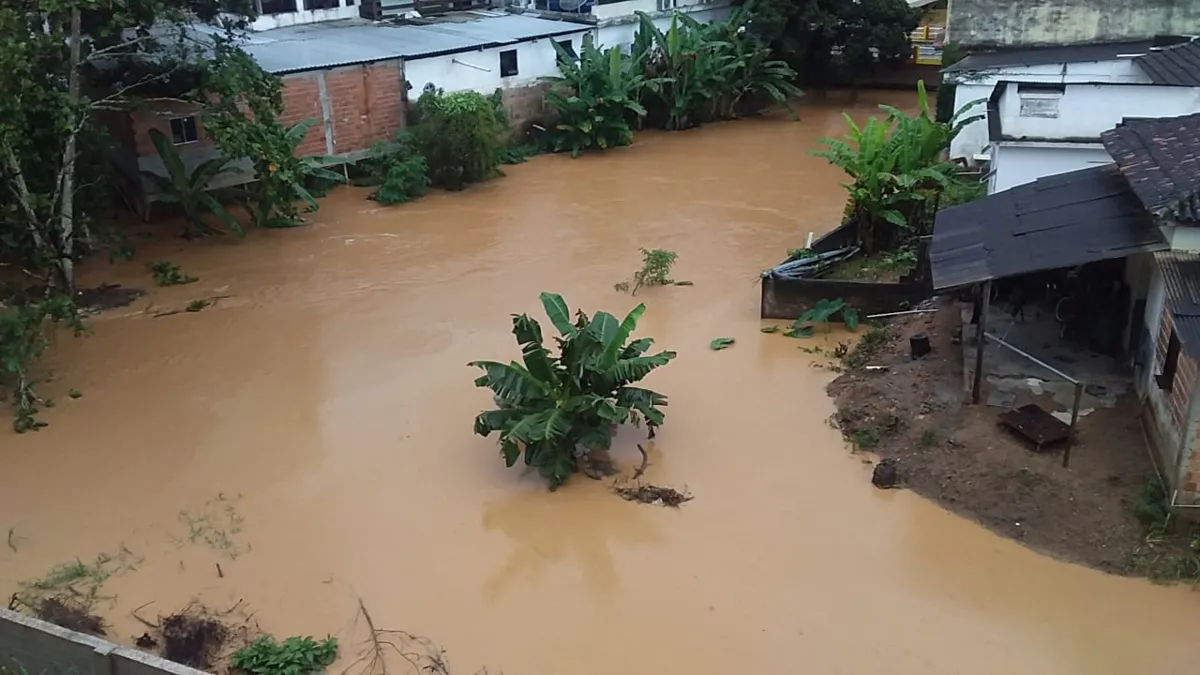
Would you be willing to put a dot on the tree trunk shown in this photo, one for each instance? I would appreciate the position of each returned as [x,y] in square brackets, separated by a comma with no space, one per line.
[66,234]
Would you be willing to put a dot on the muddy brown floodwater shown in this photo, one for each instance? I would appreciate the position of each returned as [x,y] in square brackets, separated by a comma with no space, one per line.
[330,393]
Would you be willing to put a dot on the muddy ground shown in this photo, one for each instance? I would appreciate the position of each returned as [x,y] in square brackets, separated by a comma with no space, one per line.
[915,412]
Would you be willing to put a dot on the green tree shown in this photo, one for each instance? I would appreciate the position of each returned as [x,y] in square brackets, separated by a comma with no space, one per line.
[459,134]
[555,409]
[836,41]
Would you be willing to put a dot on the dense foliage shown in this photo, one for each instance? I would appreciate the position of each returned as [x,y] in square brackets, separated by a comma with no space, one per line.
[595,98]
[708,71]
[293,656]
[896,171]
[555,409]
[460,135]
[835,41]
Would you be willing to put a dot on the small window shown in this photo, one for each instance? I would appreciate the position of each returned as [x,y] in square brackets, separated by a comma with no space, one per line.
[1166,378]
[183,130]
[277,6]
[508,63]
[569,49]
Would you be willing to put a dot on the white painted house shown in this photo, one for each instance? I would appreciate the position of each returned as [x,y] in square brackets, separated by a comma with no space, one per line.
[1046,108]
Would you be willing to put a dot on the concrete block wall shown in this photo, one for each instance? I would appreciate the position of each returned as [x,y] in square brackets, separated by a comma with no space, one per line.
[986,23]
[526,104]
[28,645]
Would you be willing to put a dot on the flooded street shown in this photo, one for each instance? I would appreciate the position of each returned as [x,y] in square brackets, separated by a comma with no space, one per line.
[312,435]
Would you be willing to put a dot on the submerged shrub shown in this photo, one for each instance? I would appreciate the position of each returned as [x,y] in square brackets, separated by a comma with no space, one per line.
[460,136]
[556,409]
[399,171]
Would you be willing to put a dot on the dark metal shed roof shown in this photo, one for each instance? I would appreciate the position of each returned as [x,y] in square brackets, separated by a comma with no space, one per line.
[1181,279]
[1057,221]
[1160,157]
[1041,56]
[1177,66]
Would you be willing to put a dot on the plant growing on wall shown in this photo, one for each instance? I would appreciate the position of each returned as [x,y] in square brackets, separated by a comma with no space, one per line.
[596,98]
[555,409]
[460,136]
[895,169]
[190,189]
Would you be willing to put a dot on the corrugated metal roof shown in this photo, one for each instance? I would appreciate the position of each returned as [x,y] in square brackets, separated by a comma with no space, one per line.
[342,43]
[1181,279]
[1160,158]
[1058,221]
[1177,66]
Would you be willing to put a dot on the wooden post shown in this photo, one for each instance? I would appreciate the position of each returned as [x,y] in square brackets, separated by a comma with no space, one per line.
[1074,421]
[980,329]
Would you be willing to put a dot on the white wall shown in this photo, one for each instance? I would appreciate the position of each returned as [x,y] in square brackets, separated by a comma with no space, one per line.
[1017,164]
[979,84]
[480,70]
[269,21]
[1086,110]
[617,10]
[620,32]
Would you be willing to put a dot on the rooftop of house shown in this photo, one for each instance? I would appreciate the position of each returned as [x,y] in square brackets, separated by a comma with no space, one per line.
[1041,56]
[1057,221]
[1181,280]
[1177,65]
[355,41]
[1160,157]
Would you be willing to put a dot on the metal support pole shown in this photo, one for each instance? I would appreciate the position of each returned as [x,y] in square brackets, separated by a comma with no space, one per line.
[980,339]
[1074,423]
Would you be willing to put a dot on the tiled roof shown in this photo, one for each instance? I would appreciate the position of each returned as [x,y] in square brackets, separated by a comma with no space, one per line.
[1181,279]
[1161,159]
[1058,221]
[1040,56]
[1177,66]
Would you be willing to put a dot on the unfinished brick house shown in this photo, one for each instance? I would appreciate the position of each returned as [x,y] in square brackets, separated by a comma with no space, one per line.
[1160,158]
[355,78]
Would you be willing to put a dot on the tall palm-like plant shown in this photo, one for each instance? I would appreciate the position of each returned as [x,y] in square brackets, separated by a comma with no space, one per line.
[282,176]
[190,189]
[596,98]
[896,168]
[555,409]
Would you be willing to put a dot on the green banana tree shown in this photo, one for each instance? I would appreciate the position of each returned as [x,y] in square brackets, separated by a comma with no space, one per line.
[283,176]
[190,190]
[596,98]
[556,409]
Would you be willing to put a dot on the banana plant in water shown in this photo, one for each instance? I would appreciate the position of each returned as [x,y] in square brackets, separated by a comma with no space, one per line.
[596,98]
[190,190]
[282,176]
[555,409]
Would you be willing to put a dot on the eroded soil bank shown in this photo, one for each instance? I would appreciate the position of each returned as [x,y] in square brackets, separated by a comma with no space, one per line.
[311,434]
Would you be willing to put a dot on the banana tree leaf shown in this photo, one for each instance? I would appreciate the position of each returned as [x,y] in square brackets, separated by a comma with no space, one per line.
[560,315]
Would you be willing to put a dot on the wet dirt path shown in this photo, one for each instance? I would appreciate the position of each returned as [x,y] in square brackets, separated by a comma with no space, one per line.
[330,392]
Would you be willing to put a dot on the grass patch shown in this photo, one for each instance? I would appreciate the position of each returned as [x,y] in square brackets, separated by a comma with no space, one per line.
[863,439]
[884,266]
[872,341]
[216,524]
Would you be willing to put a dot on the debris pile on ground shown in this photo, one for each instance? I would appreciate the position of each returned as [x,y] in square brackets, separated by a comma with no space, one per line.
[656,495]
[198,637]
[63,611]
[886,474]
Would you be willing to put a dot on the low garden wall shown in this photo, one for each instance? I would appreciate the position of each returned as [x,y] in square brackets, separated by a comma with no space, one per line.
[787,297]
[29,646]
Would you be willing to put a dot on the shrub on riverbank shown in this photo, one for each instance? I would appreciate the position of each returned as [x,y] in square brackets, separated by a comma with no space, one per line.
[398,171]
[557,409]
[460,136]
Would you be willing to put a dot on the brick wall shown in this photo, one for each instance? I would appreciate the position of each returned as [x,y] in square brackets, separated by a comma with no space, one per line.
[365,105]
[1173,411]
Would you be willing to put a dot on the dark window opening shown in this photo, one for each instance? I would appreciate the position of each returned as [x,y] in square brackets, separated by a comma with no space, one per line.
[183,130]
[1166,377]
[568,49]
[508,63]
[320,4]
[1041,89]
[277,6]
